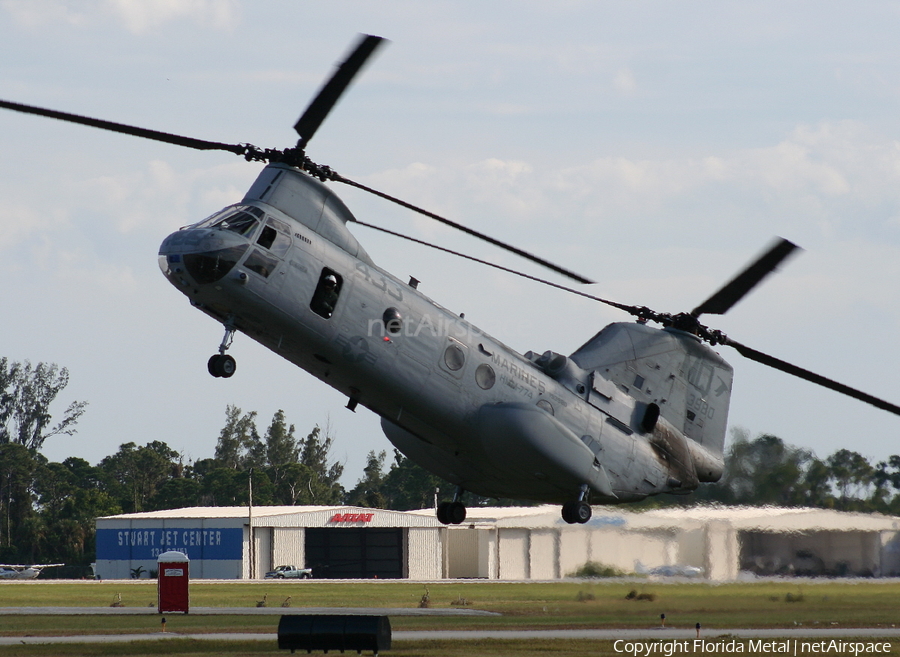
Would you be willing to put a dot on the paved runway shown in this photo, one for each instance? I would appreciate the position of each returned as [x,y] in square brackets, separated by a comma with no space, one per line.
[650,633]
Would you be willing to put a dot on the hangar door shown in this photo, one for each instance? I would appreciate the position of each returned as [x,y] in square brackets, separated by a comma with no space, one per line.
[355,553]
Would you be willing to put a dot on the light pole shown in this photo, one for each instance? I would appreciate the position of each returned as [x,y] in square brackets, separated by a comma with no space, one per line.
[252,550]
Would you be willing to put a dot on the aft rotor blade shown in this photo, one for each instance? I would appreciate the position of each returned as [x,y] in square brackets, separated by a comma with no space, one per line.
[329,95]
[178,140]
[812,377]
[750,277]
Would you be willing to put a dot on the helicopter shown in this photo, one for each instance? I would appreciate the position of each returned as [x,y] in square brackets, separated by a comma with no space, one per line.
[640,409]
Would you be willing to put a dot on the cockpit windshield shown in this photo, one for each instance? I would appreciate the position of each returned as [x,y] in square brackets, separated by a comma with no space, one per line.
[241,223]
[241,219]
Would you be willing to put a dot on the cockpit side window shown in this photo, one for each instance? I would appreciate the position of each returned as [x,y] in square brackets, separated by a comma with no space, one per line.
[278,225]
[261,263]
[267,237]
[327,292]
[277,241]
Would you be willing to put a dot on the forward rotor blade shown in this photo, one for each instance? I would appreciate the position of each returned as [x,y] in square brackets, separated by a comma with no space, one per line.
[620,306]
[812,377]
[469,231]
[178,140]
[733,291]
[329,95]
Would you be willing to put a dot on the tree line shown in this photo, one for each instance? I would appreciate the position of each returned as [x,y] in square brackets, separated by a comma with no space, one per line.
[766,471]
[48,509]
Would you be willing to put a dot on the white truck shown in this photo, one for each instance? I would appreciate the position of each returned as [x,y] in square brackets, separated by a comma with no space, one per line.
[289,572]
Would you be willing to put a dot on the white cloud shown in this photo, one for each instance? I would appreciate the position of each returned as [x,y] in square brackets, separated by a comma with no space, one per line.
[138,16]
[141,16]
[161,195]
[16,223]
[828,183]
[35,13]
[818,170]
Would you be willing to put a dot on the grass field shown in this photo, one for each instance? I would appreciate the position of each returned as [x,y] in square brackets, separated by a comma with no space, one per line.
[570,604]
[593,604]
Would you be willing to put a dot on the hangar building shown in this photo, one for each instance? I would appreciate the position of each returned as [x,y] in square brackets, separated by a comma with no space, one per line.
[509,543]
[342,542]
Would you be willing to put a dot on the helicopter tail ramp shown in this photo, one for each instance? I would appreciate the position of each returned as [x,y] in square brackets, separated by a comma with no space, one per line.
[674,372]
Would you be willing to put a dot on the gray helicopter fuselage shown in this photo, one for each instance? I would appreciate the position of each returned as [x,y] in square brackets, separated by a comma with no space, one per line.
[613,416]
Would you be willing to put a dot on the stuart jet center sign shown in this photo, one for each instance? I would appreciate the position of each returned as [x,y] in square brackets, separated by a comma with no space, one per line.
[143,544]
[214,548]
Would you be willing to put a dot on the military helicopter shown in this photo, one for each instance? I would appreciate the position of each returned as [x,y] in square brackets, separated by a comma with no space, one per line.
[636,411]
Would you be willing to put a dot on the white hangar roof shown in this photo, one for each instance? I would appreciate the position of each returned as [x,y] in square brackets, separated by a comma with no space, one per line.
[773,519]
[740,518]
[289,516]
[767,519]
[219,512]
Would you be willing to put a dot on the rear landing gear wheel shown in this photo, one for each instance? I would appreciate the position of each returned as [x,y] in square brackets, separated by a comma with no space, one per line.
[451,513]
[221,365]
[443,513]
[576,512]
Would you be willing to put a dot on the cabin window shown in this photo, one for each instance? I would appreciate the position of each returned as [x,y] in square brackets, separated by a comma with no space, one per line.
[485,377]
[547,406]
[327,292]
[393,321]
[454,358]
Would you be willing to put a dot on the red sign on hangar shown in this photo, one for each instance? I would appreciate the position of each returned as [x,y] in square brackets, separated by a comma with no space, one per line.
[352,517]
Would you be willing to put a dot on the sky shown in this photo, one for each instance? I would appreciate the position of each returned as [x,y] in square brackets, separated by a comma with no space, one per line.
[653,147]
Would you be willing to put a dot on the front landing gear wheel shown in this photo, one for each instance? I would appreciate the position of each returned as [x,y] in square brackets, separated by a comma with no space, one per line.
[221,365]
[451,513]
[576,512]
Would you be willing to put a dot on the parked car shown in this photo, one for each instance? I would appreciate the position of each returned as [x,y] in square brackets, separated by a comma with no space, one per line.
[289,572]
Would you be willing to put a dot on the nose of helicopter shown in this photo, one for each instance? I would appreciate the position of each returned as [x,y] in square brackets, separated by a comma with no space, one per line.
[200,254]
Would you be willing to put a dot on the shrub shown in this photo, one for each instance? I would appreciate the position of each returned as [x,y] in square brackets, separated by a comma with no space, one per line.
[596,569]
